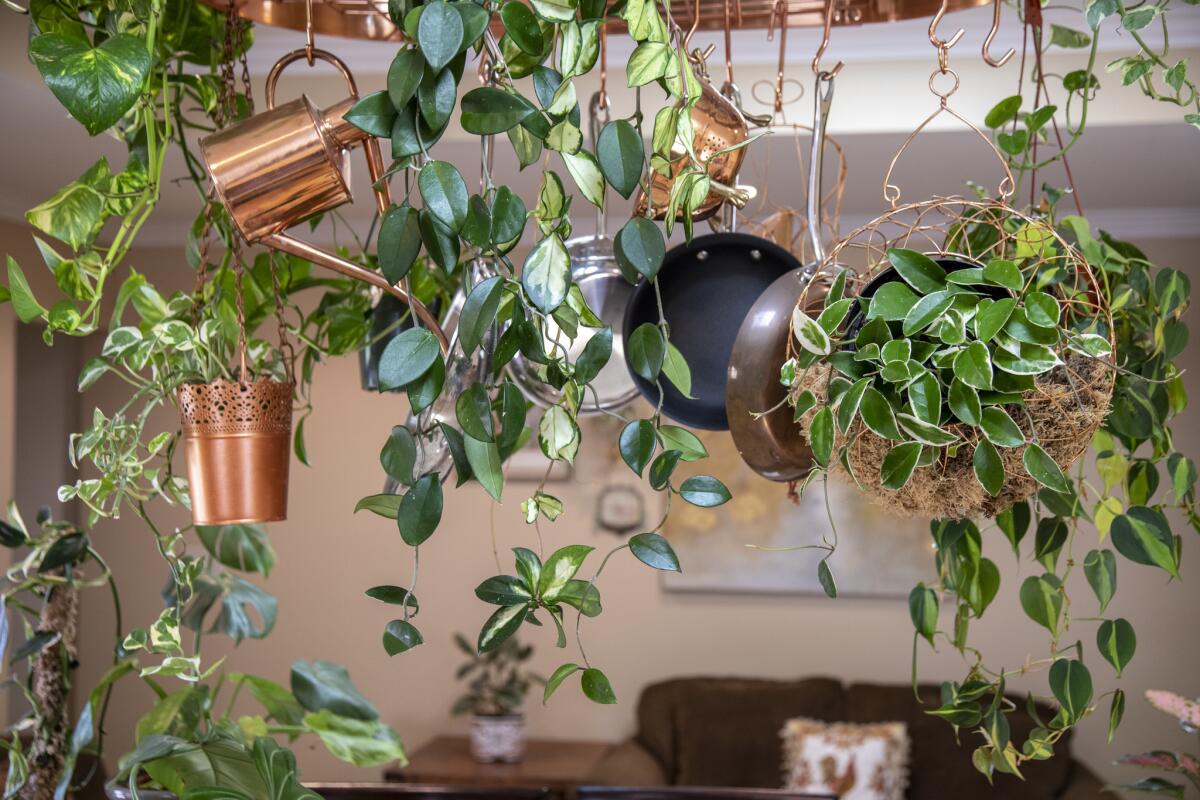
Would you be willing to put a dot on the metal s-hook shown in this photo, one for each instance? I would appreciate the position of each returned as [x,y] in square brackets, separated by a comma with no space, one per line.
[987,43]
[729,84]
[309,48]
[780,15]
[942,44]
[816,62]
[687,39]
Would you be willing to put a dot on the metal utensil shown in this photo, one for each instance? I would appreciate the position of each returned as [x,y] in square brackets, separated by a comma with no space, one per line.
[770,443]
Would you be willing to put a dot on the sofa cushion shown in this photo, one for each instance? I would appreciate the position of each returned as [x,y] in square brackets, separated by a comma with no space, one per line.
[727,729]
[940,766]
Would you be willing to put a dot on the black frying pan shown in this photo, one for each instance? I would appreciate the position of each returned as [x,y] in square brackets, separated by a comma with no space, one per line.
[707,286]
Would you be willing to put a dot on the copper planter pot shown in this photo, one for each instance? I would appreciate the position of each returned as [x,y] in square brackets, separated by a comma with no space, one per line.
[237,445]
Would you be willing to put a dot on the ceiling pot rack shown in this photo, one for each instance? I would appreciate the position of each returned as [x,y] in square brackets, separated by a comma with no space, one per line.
[368,19]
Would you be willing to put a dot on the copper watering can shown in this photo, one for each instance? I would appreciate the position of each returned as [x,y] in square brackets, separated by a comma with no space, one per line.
[292,162]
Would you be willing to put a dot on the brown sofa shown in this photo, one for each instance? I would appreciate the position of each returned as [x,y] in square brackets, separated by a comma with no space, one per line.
[725,732]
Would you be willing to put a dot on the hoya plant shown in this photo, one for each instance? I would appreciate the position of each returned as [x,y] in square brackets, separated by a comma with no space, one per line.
[531,57]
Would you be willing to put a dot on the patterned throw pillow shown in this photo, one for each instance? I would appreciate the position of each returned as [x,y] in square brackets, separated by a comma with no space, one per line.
[853,761]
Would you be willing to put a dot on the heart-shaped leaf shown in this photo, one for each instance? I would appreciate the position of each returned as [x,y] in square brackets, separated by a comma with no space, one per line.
[97,85]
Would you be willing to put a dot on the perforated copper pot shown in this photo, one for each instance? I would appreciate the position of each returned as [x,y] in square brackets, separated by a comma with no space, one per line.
[236,442]
[717,124]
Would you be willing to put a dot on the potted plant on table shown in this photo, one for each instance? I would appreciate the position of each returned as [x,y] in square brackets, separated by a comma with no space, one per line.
[496,689]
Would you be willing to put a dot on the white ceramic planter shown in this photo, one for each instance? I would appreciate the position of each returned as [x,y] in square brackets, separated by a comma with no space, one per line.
[498,739]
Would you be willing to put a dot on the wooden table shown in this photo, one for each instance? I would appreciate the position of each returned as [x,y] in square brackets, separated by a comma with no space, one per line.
[556,765]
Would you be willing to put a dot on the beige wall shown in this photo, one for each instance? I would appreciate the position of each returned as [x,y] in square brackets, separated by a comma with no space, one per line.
[327,557]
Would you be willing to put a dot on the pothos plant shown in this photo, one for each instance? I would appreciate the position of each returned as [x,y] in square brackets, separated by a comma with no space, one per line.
[154,74]
[1075,520]
[534,309]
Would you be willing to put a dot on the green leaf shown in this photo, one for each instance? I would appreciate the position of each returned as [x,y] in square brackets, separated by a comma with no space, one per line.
[473,410]
[74,213]
[1041,309]
[24,303]
[825,578]
[69,550]
[522,27]
[500,626]
[1143,535]
[621,156]
[479,312]
[878,415]
[1043,469]
[990,319]
[1014,524]
[655,551]
[919,270]
[403,77]
[557,677]
[490,110]
[586,174]
[435,100]
[1034,360]
[989,468]
[1183,476]
[373,114]
[1000,429]
[240,547]
[420,510]
[546,274]
[898,465]
[1100,567]
[1115,712]
[558,435]
[676,370]
[1071,684]
[442,187]
[926,310]
[637,443]
[326,686]
[999,272]
[363,744]
[398,456]
[484,458]
[97,85]
[399,242]
[504,590]
[1068,38]
[646,349]
[964,402]
[640,247]
[704,491]
[925,395]
[848,405]
[440,33]
[649,62]
[1042,599]
[1003,112]
[400,636]
[559,568]
[406,358]
[891,302]
[973,366]
[1117,642]
[811,336]
[597,688]
[689,446]
[393,596]
[923,609]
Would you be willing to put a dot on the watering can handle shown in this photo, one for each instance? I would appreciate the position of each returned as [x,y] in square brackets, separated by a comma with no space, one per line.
[383,201]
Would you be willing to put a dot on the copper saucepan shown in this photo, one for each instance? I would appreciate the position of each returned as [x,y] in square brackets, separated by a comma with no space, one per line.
[771,444]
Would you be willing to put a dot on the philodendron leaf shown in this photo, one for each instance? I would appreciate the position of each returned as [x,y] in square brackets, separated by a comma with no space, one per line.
[1143,535]
[923,609]
[1117,642]
[918,270]
[97,85]
[324,685]
[654,550]
[811,336]
[1071,684]
[400,636]
[1041,598]
[1100,567]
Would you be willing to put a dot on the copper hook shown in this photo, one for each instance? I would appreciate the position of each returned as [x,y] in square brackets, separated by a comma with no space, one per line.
[728,45]
[602,94]
[816,62]
[934,39]
[687,40]
[309,49]
[780,15]
[987,43]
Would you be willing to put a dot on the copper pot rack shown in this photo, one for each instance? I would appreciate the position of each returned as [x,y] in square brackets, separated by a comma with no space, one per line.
[368,19]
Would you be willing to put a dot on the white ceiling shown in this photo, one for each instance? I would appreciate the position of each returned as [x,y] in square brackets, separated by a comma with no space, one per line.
[1138,167]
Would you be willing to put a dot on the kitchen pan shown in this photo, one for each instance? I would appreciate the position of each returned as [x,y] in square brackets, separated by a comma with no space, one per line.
[707,287]
[771,443]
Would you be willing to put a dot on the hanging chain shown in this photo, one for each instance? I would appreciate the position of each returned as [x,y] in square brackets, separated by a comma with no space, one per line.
[239,268]
[285,342]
